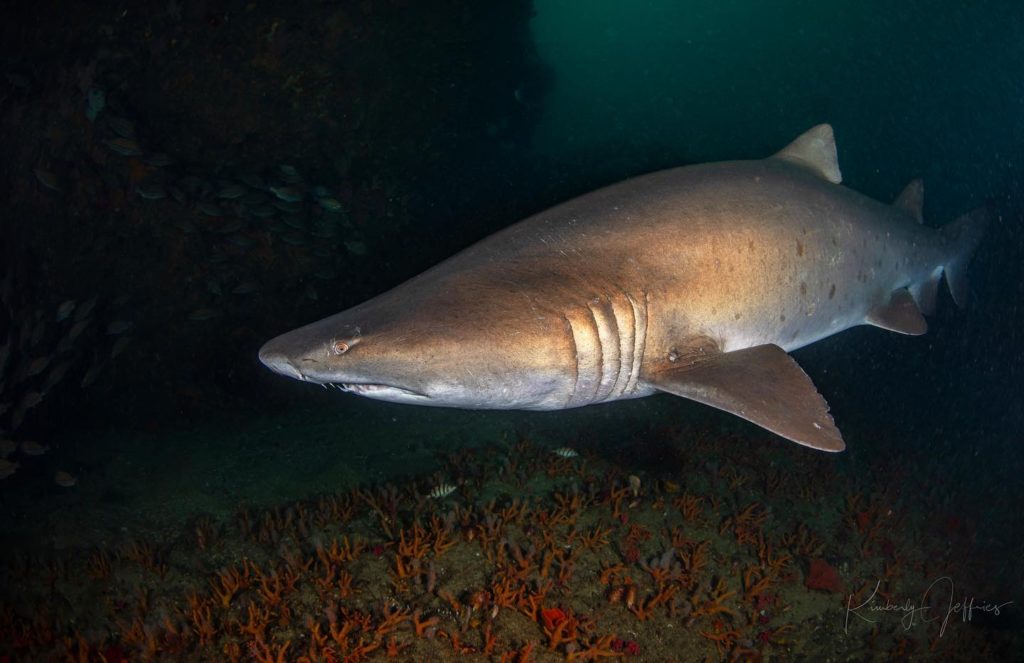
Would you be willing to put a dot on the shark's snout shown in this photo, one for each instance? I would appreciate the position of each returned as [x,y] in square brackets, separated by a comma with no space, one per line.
[276,360]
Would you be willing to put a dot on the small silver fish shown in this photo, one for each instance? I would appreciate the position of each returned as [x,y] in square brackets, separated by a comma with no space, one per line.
[251,179]
[289,174]
[287,207]
[288,194]
[119,346]
[85,309]
[39,329]
[355,247]
[565,452]
[323,231]
[65,344]
[158,160]
[329,204]
[255,198]
[91,375]
[294,221]
[202,314]
[47,179]
[262,211]
[231,191]
[125,147]
[118,327]
[38,365]
[233,225]
[7,468]
[33,448]
[95,101]
[122,127]
[56,375]
[64,480]
[65,310]
[441,491]
[30,400]
[240,242]
[245,288]
[151,191]
[209,208]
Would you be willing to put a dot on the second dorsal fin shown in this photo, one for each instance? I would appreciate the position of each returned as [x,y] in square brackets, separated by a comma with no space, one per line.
[911,200]
[814,149]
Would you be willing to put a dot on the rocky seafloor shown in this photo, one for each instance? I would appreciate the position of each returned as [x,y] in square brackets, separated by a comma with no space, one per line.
[678,545]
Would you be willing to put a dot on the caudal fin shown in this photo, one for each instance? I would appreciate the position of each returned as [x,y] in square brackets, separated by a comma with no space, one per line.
[962,237]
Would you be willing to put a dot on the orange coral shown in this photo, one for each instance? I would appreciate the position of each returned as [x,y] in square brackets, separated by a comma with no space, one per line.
[724,639]
[560,627]
[600,648]
[690,506]
[421,626]
[229,582]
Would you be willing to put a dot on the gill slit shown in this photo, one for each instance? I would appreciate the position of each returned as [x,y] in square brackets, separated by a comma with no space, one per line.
[598,351]
[641,317]
[576,358]
[615,341]
[626,330]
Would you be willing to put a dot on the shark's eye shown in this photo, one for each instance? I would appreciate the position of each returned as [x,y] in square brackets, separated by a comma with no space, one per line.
[340,347]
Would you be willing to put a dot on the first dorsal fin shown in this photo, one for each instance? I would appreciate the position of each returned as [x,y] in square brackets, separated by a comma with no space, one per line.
[815,149]
[911,200]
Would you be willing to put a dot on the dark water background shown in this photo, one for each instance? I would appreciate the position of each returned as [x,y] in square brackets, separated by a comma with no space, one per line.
[476,124]
[437,124]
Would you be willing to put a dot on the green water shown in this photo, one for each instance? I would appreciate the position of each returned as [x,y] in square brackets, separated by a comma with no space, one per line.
[912,88]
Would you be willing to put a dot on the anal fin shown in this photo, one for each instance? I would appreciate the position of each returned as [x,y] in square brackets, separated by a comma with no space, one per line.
[926,292]
[899,314]
[763,385]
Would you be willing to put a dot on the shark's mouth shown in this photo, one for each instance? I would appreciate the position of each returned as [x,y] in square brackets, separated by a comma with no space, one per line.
[374,390]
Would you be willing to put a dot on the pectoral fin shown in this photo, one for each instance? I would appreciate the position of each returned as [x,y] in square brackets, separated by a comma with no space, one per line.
[762,384]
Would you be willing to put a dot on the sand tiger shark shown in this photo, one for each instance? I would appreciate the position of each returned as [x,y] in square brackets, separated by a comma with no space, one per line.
[696,281]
